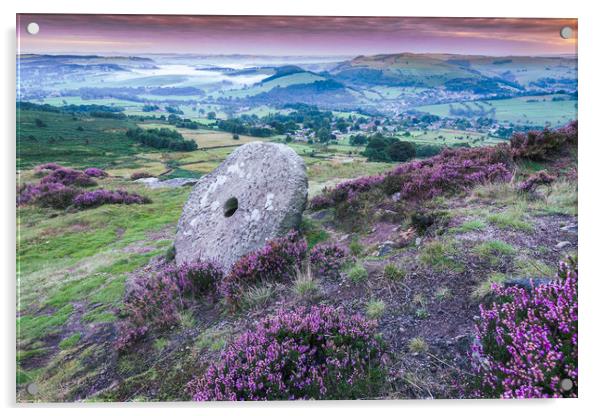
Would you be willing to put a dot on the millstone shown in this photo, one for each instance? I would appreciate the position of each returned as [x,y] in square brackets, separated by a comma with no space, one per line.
[258,193]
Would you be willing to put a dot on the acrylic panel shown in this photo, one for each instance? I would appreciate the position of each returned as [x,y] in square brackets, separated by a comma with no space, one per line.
[218,208]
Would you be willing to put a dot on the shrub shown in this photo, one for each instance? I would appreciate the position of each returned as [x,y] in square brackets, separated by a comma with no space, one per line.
[452,171]
[197,278]
[327,259]
[46,168]
[139,175]
[102,197]
[316,353]
[68,177]
[541,145]
[276,261]
[55,195]
[526,342]
[536,179]
[96,173]
[319,202]
[154,303]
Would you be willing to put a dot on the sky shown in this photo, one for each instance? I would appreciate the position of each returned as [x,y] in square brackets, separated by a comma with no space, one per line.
[292,35]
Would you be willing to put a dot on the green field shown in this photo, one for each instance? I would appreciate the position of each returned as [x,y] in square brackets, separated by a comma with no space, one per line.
[534,110]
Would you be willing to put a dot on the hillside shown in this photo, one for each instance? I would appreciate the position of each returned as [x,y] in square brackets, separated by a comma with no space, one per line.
[421,243]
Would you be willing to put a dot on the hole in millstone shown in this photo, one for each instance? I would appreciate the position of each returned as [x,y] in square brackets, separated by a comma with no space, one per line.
[230,207]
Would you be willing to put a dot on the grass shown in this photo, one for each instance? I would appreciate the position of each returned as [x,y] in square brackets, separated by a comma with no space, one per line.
[485,287]
[70,342]
[357,273]
[442,293]
[212,339]
[417,345]
[257,296]
[99,315]
[34,327]
[375,308]
[160,344]
[313,233]
[304,285]
[102,143]
[469,226]
[492,249]
[440,256]
[356,247]
[392,272]
[533,268]
[511,219]
[560,199]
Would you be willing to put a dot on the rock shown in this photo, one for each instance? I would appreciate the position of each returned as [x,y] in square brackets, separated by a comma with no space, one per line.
[147,181]
[155,183]
[396,196]
[527,283]
[258,193]
[418,241]
[571,228]
[385,248]
[562,245]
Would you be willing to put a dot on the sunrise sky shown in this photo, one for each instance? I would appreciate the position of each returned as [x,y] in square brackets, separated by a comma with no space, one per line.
[285,35]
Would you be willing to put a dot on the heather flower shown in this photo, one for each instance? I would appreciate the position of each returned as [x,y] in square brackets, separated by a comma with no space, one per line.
[276,261]
[46,168]
[327,259]
[315,353]
[96,173]
[451,171]
[154,303]
[102,197]
[197,278]
[53,195]
[526,342]
[68,177]
[139,175]
[541,145]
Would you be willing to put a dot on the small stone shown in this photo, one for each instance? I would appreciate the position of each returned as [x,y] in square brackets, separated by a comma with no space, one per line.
[418,241]
[396,196]
[563,244]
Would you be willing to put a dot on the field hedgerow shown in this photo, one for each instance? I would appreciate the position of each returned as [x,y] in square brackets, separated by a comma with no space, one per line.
[276,261]
[315,353]
[526,342]
[102,196]
[327,259]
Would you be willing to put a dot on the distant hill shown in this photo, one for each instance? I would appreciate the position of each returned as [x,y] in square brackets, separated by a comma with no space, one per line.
[481,74]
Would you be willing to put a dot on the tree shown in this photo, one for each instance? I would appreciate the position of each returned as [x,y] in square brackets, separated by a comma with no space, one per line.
[324,135]
[358,140]
[401,151]
[211,115]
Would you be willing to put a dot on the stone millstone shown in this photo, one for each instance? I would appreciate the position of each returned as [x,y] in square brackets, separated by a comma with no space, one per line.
[258,193]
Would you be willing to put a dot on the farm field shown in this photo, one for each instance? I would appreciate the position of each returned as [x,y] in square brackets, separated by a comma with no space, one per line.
[537,110]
